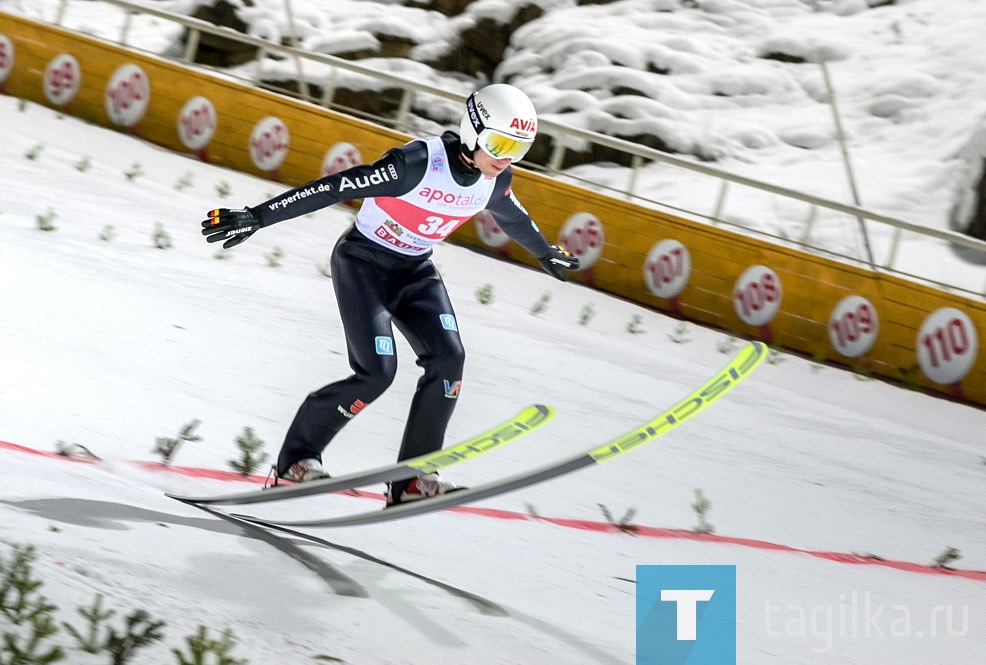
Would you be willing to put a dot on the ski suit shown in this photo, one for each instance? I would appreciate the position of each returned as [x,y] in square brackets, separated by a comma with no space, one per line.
[413,197]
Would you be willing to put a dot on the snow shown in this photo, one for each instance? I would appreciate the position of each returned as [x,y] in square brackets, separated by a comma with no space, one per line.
[809,470]
[111,344]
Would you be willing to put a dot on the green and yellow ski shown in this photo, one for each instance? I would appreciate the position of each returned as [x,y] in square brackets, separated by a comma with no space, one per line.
[526,421]
[741,366]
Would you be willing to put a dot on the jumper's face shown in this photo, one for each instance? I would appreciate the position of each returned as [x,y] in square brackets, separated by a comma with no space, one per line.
[488,165]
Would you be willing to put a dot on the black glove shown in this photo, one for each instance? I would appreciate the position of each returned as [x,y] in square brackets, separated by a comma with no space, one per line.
[232,225]
[557,261]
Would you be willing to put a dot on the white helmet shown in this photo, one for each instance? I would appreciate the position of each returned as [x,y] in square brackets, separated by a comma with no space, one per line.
[501,120]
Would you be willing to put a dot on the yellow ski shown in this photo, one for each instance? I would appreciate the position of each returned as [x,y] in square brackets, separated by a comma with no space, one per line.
[741,366]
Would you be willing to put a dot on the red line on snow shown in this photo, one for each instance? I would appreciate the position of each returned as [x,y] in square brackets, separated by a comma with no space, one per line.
[195,472]
[42,453]
[582,525]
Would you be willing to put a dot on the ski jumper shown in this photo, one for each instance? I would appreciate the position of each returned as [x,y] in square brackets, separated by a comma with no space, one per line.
[413,198]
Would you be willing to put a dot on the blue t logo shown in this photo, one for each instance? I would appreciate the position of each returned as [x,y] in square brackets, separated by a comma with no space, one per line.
[686,615]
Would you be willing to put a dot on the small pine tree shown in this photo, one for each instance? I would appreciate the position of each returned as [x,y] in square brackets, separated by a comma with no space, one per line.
[160,237]
[907,376]
[139,631]
[775,356]
[274,257]
[945,558]
[32,616]
[89,640]
[108,233]
[34,152]
[249,446]
[623,524]
[862,370]
[484,294]
[862,373]
[84,164]
[680,334]
[587,314]
[701,508]
[134,172]
[167,447]
[727,345]
[185,181]
[201,645]
[46,222]
[223,189]
[541,305]
[635,326]
[28,622]
[74,450]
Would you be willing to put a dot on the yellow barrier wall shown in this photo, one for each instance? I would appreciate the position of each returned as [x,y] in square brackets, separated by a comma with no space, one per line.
[237,108]
[889,327]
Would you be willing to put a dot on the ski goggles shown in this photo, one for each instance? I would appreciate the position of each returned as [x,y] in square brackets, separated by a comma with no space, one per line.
[500,146]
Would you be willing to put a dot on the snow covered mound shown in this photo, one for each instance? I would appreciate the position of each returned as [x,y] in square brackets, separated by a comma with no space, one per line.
[736,82]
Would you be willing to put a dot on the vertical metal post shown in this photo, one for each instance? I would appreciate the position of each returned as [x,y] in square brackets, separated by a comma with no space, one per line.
[557,154]
[720,201]
[845,159]
[809,223]
[60,14]
[192,46]
[261,54]
[636,162]
[125,28]
[403,110]
[299,72]
[894,244]
[329,88]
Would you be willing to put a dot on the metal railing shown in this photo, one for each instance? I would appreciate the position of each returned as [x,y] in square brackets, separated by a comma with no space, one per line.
[971,281]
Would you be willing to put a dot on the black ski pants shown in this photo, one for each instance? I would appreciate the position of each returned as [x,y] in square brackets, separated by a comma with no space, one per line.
[378,289]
